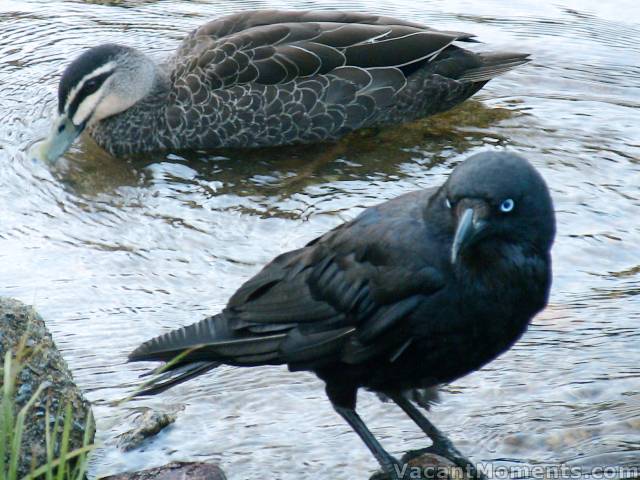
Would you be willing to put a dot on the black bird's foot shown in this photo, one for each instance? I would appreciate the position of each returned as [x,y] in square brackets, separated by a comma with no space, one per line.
[391,470]
[395,470]
[423,464]
[426,464]
[442,446]
[447,450]
[445,457]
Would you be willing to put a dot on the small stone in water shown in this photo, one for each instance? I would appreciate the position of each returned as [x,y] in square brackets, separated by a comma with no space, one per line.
[148,424]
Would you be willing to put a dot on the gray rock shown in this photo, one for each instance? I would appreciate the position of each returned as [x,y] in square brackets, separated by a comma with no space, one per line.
[147,424]
[175,471]
[42,364]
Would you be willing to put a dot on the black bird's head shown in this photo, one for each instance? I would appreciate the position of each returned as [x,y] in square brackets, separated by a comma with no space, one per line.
[498,199]
[103,81]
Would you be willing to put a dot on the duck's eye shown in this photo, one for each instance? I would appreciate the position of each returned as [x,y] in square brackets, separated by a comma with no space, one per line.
[447,203]
[507,205]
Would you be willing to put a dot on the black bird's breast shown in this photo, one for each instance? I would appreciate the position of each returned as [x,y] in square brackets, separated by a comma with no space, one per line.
[464,326]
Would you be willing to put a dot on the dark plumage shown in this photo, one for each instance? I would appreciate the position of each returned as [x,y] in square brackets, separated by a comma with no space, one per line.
[270,77]
[414,292]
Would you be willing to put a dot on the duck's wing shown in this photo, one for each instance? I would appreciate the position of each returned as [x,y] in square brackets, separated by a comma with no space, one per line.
[343,297]
[237,22]
[271,47]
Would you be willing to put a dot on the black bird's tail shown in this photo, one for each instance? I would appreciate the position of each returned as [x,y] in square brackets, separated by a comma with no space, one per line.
[494,64]
[195,349]
[172,377]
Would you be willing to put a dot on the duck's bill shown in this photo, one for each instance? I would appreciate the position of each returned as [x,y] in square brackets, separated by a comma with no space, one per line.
[63,133]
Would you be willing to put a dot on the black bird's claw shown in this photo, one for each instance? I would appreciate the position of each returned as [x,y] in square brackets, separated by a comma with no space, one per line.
[406,468]
[392,470]
[448,452]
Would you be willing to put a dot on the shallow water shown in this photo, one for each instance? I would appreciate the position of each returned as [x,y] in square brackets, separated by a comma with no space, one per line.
[113,252]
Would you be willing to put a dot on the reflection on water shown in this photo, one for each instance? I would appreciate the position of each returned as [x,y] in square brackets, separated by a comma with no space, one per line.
[113,251]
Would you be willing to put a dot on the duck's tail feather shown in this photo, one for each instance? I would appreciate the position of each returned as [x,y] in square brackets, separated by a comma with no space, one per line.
[494,64]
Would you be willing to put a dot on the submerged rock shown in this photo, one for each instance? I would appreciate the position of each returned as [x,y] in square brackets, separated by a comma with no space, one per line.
[147,424]
[42,364]
[175,471]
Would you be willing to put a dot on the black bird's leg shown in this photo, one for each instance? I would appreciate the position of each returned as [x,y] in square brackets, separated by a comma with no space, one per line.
[441,444]
[386,461]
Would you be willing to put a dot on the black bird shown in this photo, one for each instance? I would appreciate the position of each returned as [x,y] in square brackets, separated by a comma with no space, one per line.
[414,292]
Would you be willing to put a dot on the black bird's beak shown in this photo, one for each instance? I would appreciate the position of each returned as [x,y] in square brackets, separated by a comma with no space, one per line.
[472,224]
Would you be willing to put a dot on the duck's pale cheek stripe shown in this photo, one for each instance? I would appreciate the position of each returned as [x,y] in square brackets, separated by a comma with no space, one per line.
[97,84]
[107,67]
[88,105]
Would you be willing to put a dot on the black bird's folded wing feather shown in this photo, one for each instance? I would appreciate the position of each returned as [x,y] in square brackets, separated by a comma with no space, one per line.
[333,300]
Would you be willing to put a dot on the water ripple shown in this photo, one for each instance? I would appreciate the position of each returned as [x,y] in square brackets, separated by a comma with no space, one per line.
[141,246]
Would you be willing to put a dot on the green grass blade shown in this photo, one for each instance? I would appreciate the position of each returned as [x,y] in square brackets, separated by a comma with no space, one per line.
[19,428]
[57,436]
[158,371]
[64,445]
[6,425]
[48,443]
[70,456]
[82,464]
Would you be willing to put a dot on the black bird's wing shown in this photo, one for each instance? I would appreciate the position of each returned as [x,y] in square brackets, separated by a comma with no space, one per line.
[342,298]
[272,47]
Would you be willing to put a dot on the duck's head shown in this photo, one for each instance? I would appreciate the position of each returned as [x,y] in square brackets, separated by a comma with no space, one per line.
[103,81]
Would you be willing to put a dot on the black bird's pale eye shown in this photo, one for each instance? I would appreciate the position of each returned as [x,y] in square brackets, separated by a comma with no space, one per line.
[507,205]
[447,202]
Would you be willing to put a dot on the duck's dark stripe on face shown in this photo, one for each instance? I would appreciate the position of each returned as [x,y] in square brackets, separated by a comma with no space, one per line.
[81,67]
[91,86]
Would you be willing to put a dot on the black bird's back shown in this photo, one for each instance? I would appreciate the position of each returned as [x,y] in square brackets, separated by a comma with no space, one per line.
[333,284]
